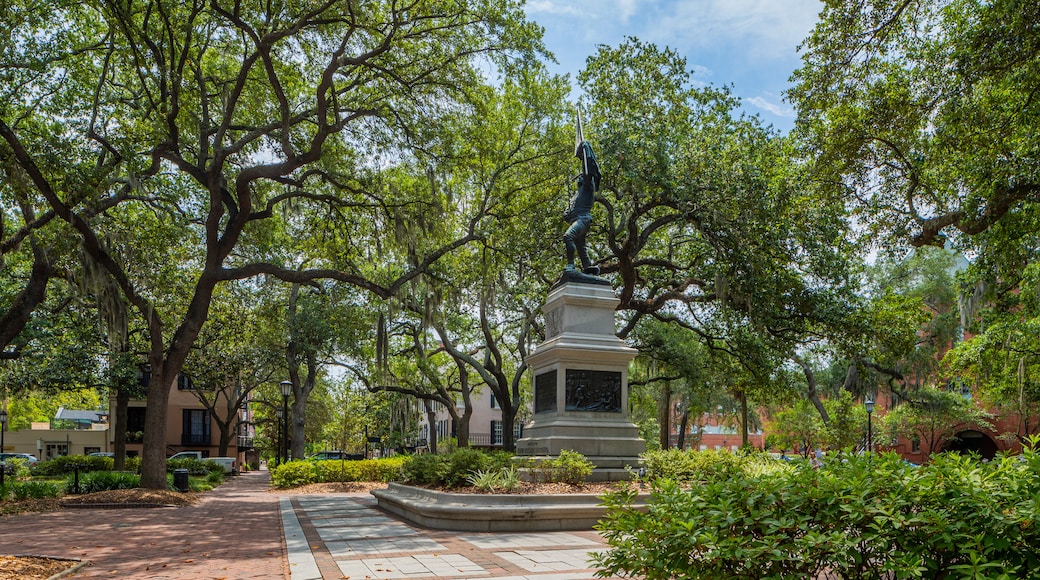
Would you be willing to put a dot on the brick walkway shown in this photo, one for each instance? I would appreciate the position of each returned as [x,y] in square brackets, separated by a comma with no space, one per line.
[234,532]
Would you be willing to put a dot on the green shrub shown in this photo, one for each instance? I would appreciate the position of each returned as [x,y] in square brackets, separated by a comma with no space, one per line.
[856,517]
[425,469]
[16,468]
[103,481]
[5,489]
[68,464]
[133,464]
[462,463]
[450,470]
[383,469]
[197,467]
[504,478]
[293,474]
[690,466]
[37,489]
[569,467]
[333,470]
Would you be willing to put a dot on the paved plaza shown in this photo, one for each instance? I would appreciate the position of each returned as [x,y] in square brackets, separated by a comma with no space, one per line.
[243,531]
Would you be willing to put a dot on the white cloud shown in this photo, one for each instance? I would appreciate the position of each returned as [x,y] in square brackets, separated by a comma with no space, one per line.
[778,109]
[537,7]
[765,29]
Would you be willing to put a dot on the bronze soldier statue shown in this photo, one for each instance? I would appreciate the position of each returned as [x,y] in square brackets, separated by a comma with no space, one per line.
[579,210]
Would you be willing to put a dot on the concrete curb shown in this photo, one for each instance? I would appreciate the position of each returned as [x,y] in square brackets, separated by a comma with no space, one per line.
[494,512]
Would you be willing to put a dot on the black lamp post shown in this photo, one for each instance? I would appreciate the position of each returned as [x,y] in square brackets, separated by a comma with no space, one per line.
[3,427]
[869,406]
[278,454]
[286,391]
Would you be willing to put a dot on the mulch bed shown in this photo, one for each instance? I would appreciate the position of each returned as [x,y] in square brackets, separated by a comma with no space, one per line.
[32,567]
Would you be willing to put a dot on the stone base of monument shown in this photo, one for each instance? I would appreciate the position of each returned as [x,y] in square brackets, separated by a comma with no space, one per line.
[495,512]
[609,442]
[581,385]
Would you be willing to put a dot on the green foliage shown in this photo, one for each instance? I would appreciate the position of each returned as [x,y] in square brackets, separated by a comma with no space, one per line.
[68,463]
[215,478]
[934,416]
[383,469]
[294,474]
[569,467]
[504,478]
[197,467]
[425,469]
[16,468]
[133,464]
[801,427]
[37,489]
[861,517]
[462,463]
[453,469]
[694,467]
[104,481]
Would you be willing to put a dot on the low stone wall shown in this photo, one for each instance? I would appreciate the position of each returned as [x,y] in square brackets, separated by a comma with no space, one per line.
[493,512]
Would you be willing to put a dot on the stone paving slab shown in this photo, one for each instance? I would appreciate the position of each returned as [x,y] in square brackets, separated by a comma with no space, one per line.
[349,537]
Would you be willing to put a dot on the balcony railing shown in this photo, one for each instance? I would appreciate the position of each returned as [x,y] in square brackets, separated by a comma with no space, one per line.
[245,442]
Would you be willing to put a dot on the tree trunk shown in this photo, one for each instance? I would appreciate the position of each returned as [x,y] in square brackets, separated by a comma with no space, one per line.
[153,460]
[684,423]
[224,438]
[743,419]
[664,416]
[431,420]
[814,397]
[119,427]
[508,419]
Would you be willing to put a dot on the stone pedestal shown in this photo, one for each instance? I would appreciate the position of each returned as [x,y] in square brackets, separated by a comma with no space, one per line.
[581,384]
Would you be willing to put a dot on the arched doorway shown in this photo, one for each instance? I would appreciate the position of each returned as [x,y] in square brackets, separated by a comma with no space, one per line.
[972,441]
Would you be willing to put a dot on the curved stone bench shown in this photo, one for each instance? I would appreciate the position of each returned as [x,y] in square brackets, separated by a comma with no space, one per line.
[493,512]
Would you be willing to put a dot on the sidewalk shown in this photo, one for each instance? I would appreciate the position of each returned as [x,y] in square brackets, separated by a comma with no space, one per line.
[234,532]
[346,536]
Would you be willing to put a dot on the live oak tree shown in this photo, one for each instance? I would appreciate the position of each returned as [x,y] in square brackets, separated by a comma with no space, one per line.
[220,114]
[236,352]
[924,114]
[709,224]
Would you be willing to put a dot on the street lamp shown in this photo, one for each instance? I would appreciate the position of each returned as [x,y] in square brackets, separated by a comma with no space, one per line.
[278,454]
[3,427]
[286,391]
[869,406]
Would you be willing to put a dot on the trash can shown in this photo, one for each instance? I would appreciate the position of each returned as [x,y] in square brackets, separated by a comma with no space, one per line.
[180,480]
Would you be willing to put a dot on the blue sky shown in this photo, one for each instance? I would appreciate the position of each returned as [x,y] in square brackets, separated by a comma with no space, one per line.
[750,45]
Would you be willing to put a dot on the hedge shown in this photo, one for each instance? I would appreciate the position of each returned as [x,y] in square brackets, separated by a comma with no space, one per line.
[297,473]
[856,517]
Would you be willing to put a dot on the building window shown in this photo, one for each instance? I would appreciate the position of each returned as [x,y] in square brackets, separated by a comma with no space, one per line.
[195,427]
[496,432]
[915,445]
[494,401]
[135,424]
[89,450]
[184,383]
